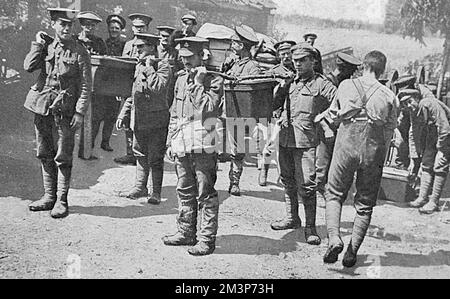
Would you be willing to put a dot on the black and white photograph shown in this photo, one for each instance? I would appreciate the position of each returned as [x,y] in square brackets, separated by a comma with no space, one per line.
[226,141]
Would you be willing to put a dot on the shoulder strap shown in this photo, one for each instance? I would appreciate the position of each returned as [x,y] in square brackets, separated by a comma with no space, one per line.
[359,87]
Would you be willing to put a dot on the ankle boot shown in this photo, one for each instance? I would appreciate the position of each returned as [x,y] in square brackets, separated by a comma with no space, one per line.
[350,257]
[311,236]
[157,180]
[179,239]
[262,179]
[49,176]
[426,182]
[360,227]
[61,208]
[140,188]
[333,219]
[292,220]
[202,248]
[433,205]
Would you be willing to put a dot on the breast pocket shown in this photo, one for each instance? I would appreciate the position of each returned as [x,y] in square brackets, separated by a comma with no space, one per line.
[68,65]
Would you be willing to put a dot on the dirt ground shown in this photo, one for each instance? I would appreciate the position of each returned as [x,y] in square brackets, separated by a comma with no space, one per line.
[110,237]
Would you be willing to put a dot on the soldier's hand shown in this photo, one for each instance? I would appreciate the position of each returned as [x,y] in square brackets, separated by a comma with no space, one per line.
[169,154]
[39,37]
[200,74]
[287,82]
[119,124]
[119,99]
[77,121]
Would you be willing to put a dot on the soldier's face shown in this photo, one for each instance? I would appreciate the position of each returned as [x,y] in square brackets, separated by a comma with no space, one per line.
[285,56]
[164,39]
[310,40]
[191,62]
[88,26]
[114,29]
[237,47]
[63,29]
[304,65]
[188,25]
[139,29]
[145,50]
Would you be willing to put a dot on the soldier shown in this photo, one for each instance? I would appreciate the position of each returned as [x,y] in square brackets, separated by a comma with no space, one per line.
[303,97]
[148,113]
[241,45]
[167,51]
[188,22]
[286,68]
[310,38]
[59,101]
[193,118]
[430,140]
[140,23]
[89,22]
[367,113]
[346,65]
[116,41]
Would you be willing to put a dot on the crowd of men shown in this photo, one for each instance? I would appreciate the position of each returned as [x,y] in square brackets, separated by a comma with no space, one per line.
[332,128]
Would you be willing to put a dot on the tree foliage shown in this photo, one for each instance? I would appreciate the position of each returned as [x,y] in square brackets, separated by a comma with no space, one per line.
[419,15]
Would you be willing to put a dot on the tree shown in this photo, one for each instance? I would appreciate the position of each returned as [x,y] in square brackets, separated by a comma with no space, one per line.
[419,15]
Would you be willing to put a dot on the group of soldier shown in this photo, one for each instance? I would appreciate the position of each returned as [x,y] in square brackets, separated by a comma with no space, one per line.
[332,128]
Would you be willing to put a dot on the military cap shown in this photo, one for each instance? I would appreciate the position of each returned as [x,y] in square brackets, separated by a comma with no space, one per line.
[302,50]
[284,45]
[190,16]
[146,39]
[139,19]
[116,18]
[191,45]
[89,15]
[244,35]
[405,82]
[313,35]
[343,58]
[408,93]
[64,14]
[168,30]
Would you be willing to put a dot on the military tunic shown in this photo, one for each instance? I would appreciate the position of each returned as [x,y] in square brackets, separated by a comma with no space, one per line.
[194,115]
[94,44]
[148,114]
[65,70]
[303,100]
[115,46]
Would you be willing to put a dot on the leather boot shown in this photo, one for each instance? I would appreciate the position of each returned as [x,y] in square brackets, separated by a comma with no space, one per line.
[433,205]
[262,180]
[426,182]
[236,168]
[292,220]
[157,180]
[202,248]
[140,188]
[311,236]
[333,219]
[360,227]
[208,227]
[61,208]
[179,239]
[49,176]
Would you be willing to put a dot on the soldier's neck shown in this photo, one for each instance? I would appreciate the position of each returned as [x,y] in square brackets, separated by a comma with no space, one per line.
[369,76]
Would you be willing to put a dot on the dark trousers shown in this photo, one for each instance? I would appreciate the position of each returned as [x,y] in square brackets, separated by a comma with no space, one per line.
[106,109]
[197,175]
[55,140]
[360,147]
[298,172]
[149,146]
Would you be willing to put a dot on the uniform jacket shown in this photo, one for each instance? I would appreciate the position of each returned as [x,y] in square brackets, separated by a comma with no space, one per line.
[148,106]
[381,107]
[115,46]
[429,114]
[280,69]
[303,101]
[94,44]
[194,114]
[130,49]
[244,67]
[64,69]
